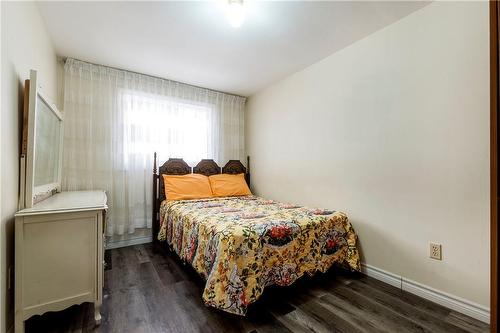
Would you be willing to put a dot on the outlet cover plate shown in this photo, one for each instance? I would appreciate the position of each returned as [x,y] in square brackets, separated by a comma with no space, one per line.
[435,251]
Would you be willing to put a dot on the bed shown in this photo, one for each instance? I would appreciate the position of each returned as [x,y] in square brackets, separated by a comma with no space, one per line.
[240,245]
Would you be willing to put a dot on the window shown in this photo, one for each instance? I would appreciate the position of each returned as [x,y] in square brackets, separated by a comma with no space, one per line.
[171,127]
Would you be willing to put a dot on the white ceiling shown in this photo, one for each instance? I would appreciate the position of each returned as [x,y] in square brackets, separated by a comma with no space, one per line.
[192,42]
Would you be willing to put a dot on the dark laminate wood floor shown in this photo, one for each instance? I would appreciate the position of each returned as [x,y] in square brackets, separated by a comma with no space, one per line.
[148,291]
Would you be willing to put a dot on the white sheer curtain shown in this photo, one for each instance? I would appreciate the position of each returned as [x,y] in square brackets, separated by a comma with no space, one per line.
[113,122]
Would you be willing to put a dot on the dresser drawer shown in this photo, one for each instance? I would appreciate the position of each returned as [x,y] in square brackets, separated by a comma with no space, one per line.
[59,256]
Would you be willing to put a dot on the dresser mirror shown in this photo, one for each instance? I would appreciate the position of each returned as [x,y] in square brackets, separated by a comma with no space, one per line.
[41,155]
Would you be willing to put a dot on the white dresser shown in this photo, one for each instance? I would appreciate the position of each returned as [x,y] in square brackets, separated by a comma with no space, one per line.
[59,254]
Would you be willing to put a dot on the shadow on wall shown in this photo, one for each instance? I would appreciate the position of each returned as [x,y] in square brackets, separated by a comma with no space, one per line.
[404,255]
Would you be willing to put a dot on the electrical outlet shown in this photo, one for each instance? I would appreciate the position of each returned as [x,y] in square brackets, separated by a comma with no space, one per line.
[435,251]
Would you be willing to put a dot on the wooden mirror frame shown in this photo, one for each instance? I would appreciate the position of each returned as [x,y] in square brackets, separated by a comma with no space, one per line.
[31,194]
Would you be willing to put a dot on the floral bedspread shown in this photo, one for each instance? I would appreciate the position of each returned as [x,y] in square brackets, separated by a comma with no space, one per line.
[240,245]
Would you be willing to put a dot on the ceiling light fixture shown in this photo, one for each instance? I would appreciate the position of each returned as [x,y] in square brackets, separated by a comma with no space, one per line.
[235,12]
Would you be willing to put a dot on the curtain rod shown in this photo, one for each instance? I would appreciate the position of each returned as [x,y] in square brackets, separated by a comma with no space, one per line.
[154,77]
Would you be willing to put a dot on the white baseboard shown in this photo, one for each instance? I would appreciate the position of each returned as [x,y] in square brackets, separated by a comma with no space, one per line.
[453,302]
[129,242]
[381,275]
[469,308]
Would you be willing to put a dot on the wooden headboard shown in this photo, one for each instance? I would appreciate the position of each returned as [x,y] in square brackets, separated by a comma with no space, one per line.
[177,166]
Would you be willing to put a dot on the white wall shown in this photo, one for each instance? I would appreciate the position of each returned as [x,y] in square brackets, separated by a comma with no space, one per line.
[25,45]
[393,130]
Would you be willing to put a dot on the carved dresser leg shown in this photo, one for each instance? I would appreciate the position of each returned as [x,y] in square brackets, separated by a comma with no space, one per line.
[18,324]
[97,313]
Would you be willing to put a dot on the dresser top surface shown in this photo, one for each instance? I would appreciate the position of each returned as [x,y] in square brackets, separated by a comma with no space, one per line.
[68,201]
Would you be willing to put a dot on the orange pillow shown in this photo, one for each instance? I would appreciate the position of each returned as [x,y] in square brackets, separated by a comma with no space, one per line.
[185,187]
[225,185]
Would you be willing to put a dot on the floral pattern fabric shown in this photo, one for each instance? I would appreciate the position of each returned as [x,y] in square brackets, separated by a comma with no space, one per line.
[240,245]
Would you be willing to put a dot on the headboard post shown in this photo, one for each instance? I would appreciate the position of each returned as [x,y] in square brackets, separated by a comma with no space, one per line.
[154,164]
[155,223]
[247,174]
